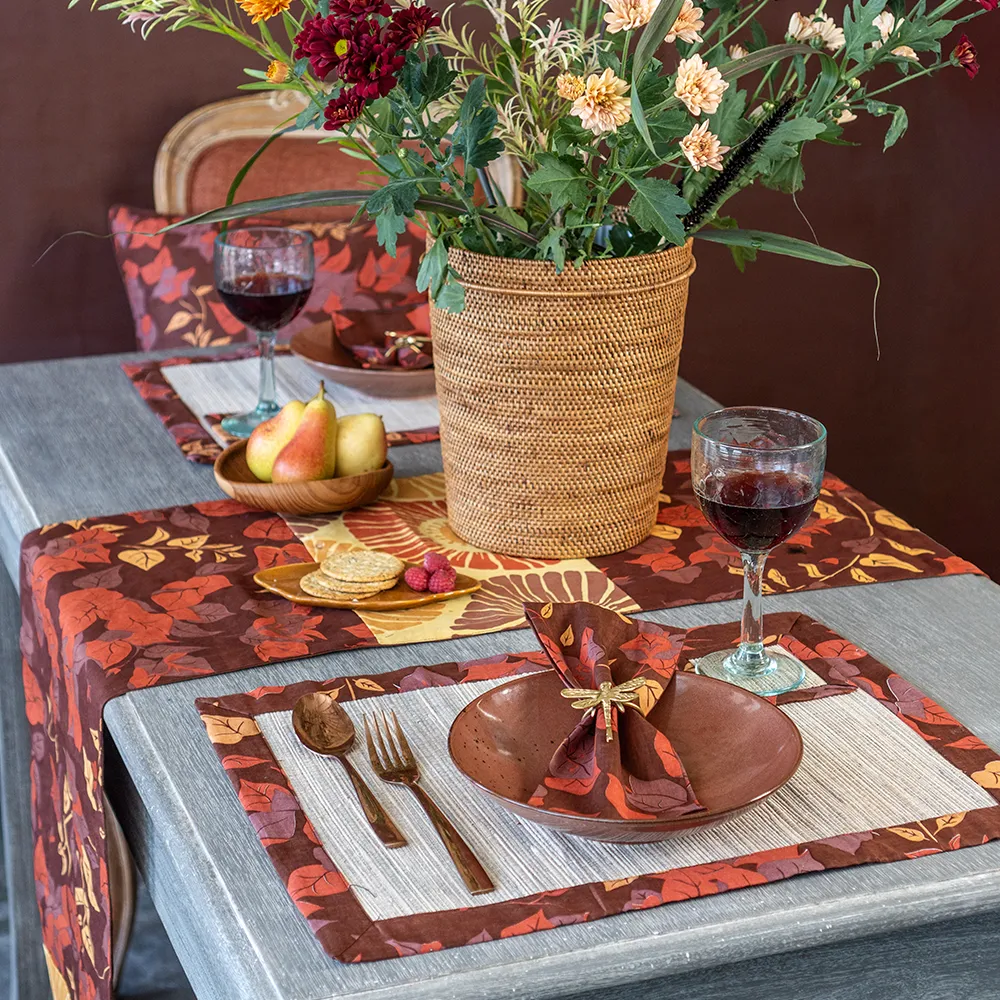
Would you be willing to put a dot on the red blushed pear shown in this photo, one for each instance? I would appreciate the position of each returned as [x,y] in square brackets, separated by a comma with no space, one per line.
[267,440]
[312,451]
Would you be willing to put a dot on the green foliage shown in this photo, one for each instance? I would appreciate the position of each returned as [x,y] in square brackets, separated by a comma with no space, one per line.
[465,100]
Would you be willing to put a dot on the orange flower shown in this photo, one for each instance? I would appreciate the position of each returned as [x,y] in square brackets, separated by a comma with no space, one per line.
[688,24]
[277,71]
[702,148]
[262,10]
[570,86]
[699,86]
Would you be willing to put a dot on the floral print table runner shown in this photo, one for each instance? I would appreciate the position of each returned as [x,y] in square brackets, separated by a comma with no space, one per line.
[412,903]
[114,603]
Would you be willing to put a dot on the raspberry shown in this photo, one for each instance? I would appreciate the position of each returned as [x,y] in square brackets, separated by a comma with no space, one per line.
[442,580]
[433,561]
[416,578]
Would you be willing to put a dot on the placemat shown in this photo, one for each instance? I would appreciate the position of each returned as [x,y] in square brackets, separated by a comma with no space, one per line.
[847,540]
[151,597]
[886,775]
[192,394]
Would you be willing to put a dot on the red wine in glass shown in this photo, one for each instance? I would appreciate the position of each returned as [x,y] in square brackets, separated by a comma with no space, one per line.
[265,302]
[756,510]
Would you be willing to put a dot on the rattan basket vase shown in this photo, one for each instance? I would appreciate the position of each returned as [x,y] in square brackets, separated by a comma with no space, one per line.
[556,393]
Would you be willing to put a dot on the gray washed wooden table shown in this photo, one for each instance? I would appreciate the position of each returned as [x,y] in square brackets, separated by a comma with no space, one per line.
[920,929]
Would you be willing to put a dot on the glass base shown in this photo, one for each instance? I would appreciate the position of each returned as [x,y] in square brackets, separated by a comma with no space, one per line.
[241,424]
[778,675]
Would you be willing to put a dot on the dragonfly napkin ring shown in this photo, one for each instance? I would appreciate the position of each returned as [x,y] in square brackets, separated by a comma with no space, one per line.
[623,695]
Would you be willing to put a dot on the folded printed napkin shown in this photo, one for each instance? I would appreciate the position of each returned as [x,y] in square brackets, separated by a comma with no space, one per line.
[388,338]
[614,764]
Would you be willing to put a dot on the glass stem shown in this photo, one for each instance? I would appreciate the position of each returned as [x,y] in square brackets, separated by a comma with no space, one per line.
[751,656]
[266,393]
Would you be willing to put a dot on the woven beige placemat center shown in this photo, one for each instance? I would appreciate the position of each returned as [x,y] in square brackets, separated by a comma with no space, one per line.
[862,768]
[231,386]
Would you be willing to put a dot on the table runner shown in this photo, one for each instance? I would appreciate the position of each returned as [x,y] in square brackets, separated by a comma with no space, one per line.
[191,408]
[887,775]
[119,602]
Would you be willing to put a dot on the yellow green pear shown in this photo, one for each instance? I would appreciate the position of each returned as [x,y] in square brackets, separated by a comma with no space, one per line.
[270,437]
[312,451]
[361,444]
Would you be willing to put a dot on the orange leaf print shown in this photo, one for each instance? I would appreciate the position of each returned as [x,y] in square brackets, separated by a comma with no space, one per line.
[229,729]
[34,703]
[615,794]
[315,880]
[536,922]
[237,762]
[273,528]
[286,555]
[180,597]
[840,649]
[256,796]
[969,742]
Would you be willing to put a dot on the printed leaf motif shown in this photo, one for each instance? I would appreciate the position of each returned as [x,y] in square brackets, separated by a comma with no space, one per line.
[890,520]
[773,574]
[159,535]
[144,559]
[668,531]
[239,762]
[884,559]
[367,684]
[536,922]
[827,512]
[618,883]
[969,742]
[812,570]
[567,637]
[649,694]
[315,880]
[907,833]
[990,776]
[861,576]
[229,729]
[946,822]
[907,550]
[190,542]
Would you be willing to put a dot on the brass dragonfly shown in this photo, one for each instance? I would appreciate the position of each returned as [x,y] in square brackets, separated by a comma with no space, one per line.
[623,695]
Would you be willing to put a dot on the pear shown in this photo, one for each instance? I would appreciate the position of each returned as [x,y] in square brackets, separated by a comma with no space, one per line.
[312,451]
[360,444]
[270,437]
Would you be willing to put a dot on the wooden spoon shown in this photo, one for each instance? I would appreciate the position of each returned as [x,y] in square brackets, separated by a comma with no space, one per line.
[325,728]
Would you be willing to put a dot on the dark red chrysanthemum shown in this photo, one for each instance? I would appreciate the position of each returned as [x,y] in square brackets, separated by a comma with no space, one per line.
[409,24]
[359,8]
[326,42]
[988,4]
[374,68]
[964,55]
[343,109]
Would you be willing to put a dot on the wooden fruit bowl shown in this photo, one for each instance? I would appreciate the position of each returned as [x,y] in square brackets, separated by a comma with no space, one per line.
[319,496]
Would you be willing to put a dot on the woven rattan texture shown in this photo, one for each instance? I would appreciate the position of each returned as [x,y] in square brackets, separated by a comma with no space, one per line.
[556,393]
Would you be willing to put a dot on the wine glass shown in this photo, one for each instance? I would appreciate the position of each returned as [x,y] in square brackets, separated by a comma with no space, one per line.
[757,473]
[264,275]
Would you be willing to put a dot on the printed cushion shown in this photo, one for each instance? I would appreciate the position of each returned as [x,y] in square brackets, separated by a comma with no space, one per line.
[169,279]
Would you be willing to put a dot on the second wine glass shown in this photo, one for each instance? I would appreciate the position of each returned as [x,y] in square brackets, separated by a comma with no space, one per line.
[264,275]
[757,473]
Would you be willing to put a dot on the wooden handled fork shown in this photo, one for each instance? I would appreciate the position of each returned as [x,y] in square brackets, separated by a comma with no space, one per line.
[393,761]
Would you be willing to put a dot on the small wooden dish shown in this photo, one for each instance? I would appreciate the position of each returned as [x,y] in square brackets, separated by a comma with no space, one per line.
[285,581]
[319,348]
[319,496]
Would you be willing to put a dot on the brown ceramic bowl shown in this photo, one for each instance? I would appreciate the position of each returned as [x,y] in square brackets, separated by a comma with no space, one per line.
[319,348]
[319,496]
[736,747]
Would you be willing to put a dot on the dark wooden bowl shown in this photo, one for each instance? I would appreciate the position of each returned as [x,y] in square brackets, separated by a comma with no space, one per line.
[319,348]
[319,496]
[737,749]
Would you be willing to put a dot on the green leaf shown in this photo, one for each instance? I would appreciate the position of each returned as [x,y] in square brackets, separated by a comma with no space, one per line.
[561,178]
[824,85]
[859,31]
[437,78]
[899,123]
[451,297]
[762,58]
[552,246]
[754,239]
[726,122]
[472,139]
[657,206]
[784,142]
[649,41]
[433,269]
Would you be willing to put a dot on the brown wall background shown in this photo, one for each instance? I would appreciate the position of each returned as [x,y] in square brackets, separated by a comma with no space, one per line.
[86,104]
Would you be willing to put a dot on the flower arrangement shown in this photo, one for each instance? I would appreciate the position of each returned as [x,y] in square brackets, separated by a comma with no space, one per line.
[632,123]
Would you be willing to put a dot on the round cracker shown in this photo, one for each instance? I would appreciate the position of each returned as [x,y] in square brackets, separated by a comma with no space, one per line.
[317,585]
[362,566]
[349,587]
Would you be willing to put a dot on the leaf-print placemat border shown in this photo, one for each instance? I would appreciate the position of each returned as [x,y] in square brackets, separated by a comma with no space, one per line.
[338,918]
[185,427]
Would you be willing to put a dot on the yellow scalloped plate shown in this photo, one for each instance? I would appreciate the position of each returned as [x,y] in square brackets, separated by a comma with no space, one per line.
[285,581]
